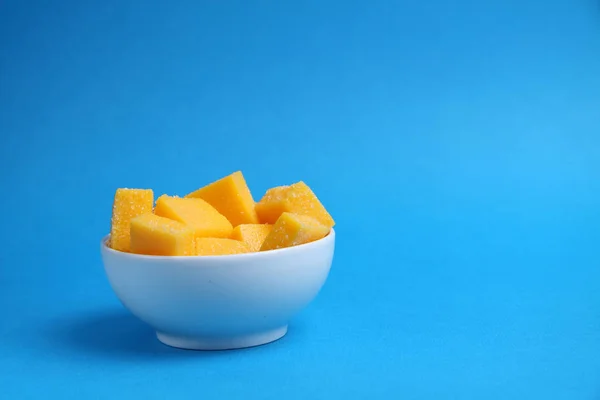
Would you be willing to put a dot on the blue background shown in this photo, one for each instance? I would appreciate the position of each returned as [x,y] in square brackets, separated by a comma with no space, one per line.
[457,145]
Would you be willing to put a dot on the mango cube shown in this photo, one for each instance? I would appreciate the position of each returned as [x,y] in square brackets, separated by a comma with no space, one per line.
[231,197]
[219,247]
[127,204]
[155,235]
[272,205]
[252,234]
[292,230]
[297,198]
[197,214]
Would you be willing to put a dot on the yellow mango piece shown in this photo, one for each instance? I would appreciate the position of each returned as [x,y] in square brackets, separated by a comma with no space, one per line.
[127,204]
[292,230]
[219,247]
[231,197]
[159,236]
[272,204]
[252,234]
[297,198]
[200,216]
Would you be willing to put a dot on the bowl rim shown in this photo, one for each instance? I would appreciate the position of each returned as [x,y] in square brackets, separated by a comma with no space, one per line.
[305,246]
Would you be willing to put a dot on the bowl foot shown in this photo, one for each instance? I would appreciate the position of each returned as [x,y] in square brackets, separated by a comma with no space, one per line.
[222,343]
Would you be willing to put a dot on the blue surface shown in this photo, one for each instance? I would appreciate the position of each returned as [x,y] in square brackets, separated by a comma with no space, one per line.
[456,144]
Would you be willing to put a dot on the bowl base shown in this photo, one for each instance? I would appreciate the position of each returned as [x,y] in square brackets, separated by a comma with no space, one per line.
[222,343]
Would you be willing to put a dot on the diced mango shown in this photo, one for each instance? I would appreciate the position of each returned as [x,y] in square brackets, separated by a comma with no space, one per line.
[272,204]
[292,230]
[200,216]
[297,198]
[127,204]
[155,235]
[252,234]
[231,197]
[219,247]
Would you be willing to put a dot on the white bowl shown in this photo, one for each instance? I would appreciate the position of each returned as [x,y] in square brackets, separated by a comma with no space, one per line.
[220,302]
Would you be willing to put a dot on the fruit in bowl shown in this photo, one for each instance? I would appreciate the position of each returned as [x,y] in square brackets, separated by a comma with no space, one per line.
[213,269]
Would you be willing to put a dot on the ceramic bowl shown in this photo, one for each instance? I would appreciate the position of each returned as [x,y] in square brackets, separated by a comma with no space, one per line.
[220,302]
